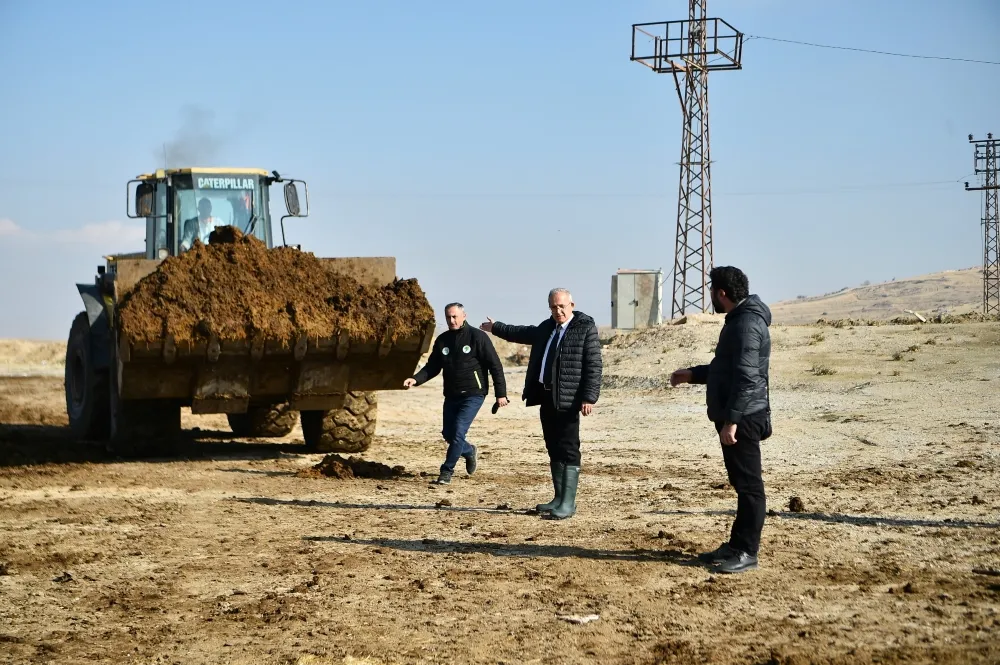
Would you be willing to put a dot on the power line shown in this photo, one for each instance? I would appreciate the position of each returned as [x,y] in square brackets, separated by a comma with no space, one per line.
[865,50]
[41,181]
[513,194]
[844,188]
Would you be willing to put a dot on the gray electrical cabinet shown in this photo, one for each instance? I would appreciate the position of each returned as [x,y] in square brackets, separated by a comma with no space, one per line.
[636,299]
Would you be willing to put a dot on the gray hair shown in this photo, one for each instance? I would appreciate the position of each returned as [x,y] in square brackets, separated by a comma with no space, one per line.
[454,304]
[553,292]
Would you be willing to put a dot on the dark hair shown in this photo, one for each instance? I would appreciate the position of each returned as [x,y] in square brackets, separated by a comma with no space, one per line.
[732,281]
[454,304]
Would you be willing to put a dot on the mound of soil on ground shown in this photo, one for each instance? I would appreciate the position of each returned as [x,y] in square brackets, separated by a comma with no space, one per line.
[968,317]
[235,288]
[335,466]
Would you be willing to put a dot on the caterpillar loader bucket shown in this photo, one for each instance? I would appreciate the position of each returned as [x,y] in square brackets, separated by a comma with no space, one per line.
[225,376]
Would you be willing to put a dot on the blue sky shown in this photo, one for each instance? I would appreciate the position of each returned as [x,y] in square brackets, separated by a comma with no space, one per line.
[499,149]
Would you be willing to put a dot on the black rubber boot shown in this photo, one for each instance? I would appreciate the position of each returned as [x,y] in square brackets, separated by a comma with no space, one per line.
[567,508]
[558,469]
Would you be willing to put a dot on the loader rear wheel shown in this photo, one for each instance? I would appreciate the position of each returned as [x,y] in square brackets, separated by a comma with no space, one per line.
[273,420]
[349,429]
[88,393]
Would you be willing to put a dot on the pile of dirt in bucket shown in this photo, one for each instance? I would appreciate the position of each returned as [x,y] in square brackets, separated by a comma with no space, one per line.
[335,466]
[235,288]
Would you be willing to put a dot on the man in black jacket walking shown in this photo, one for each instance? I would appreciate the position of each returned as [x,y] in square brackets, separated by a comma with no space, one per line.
[564,378]
[738,403]
[465,355]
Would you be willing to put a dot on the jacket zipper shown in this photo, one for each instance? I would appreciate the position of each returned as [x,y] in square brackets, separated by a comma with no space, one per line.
[479,384]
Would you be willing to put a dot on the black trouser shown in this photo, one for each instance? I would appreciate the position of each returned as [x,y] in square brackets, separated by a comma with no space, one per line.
[561,430]
[744,469]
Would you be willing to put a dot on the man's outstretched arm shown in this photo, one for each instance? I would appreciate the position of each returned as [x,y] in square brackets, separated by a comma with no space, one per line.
[507,332]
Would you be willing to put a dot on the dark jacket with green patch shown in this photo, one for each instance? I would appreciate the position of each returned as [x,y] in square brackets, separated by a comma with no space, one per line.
[465,356]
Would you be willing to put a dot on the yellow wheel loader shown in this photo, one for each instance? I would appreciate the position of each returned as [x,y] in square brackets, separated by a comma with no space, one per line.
[131,393]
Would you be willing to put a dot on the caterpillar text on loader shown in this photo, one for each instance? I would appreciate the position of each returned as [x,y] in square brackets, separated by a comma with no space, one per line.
[131,394]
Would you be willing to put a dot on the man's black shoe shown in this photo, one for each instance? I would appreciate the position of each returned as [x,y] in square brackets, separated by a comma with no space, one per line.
[718,555]
[739,563]
[443,478]
[472,461]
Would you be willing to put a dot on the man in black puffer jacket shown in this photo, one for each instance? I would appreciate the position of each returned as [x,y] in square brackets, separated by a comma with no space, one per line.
[465,356]
[564,378]
[738,403]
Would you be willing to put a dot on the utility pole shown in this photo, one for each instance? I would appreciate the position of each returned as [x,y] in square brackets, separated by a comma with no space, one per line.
[683,48]
[986,165]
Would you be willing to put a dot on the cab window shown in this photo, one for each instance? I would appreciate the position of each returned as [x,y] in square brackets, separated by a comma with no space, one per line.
[204,202]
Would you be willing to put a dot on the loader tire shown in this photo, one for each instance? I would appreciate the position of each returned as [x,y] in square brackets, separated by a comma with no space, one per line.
[349,429]
[271,421]
[144,428]
[88,391]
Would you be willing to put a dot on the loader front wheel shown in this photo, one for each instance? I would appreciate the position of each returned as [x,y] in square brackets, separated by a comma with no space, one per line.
[142,427]
[271,421]
[88,392]
[349,429]
[145,428]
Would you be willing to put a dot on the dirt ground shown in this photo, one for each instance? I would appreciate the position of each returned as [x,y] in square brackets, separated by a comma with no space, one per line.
[889,438]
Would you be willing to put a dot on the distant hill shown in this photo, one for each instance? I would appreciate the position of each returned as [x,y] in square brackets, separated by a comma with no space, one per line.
[25,357]
[948,292]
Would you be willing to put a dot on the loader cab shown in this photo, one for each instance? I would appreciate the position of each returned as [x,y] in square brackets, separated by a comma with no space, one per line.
[181,205]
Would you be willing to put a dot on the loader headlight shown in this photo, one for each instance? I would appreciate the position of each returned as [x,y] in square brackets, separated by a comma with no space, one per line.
[162,253]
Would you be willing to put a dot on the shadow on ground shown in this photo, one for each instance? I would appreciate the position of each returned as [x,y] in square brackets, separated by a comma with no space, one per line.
[311,503]
[526,550]
[22,445]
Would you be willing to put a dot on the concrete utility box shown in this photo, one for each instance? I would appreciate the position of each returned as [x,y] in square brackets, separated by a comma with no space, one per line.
[636,299]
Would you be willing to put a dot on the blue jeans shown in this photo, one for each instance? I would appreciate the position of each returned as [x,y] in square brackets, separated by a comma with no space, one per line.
[459,412]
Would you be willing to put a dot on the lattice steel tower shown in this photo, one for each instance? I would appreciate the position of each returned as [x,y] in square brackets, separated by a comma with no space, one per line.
[683,49]
[986,166]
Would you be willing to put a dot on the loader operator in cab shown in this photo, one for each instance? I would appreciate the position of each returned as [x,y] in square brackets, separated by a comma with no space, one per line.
[199,227]
[242,209]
